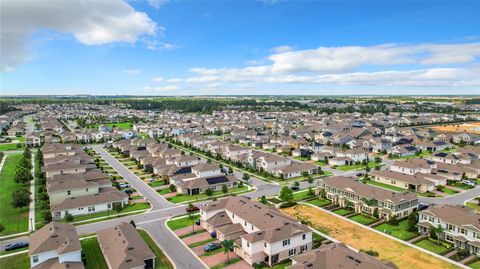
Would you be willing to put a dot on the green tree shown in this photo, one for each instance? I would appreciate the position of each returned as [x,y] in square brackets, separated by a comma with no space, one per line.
[230,170]
[68,217]
[172,188]
[209,192]
[47,216]
[224,188]
[378,159]
[412,222]
[286,194]
[227,248]
[22,175]
[263,200]
[439,232]
[310,180]
[246,176]
[117,207]
[21,198]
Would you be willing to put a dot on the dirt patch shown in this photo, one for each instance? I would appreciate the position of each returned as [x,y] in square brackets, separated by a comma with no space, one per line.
[473,128]
[360,238]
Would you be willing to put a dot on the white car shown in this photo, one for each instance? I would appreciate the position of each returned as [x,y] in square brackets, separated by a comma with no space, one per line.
[468,183]
[124,185]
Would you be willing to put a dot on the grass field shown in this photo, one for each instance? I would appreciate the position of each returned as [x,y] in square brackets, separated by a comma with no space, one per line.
[161,261]
[449,191]
[363,219]
[93,254]
[400,231]
[15,220]
[475,264]
[20,261]
[357,166]
[113,214]
[179,223]
[342,211]
[433,247]
[404,257]
[301,195]
[319,202]
[11,146]
[120,125]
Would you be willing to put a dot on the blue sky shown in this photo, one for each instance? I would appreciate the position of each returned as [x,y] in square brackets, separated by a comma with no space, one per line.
[241,47]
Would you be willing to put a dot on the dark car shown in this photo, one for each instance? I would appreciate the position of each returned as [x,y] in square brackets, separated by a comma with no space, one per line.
[128,191]
[191,209]
[212,246]
[16,245]
[295,188]
[422,206]
[360,174]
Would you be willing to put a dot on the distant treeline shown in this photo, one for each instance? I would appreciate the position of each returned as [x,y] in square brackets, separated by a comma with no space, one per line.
[6,107]
[472,101]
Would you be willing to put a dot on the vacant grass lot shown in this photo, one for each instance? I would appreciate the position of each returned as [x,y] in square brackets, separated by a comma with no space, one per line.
[11,146]
[15,220]
[161,261]
[399,231]
[359,237]
[20,261]
[93,254]
[301,195]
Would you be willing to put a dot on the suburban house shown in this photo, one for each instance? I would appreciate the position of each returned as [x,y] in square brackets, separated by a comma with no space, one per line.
[337,255]
[198,185]
[55,245]
[413,166]
[367,199]
[417,182]
[261,234]
[295,169]
[123,248]
[461,225]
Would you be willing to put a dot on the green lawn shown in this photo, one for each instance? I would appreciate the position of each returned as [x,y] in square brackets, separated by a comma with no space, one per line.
[400,231]
[449,191]
[474,205]
[164,191]
[357,166]
[93,255]
[433,247]
[15,220]
[320,163]
[156,183]
[302,158]
[475,264]
[11,146]
[199,197]
[179,223]
[386,186]
[20,261]
[161,261]
[301,195]
[196,244]
[120,125]
[363,219]
[225,264]
[462,186]
[342,211]
[319,202]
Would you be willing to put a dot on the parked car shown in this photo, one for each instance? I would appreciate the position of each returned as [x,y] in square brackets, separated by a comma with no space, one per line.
[468,182]
[16,245]
[128,191]
[295,188]
[360,174]
[124,185]
[191,209]
[212,246]
[152,179]
[422,206]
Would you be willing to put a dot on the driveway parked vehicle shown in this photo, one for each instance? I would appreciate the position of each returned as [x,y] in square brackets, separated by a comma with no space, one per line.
[16,245]
[212,246]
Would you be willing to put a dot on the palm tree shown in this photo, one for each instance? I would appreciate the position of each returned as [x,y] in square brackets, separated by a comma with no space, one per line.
[191,216]
[227,247]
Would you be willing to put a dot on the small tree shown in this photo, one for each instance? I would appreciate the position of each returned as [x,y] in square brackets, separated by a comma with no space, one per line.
[296,184]
[47,216]
[68,217]
[393,220]
[246,176]
[286,194]
[224,188]
[378,159]
[263,200]
[230,170]
[227,248]
[323,193]
[209,192]
[117,207]
[172,188]
[412,222]
[21,198]
[439,231]
[310,180]
[22,175]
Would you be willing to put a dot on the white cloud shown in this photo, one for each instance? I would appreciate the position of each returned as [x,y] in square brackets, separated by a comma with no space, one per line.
[169,80]
[153,44]
[162,88]
[90,22]
[157,4]
[281,49]
[131,72]
[158,79]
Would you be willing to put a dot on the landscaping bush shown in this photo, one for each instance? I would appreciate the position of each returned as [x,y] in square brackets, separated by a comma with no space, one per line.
[370,252]
[288,204]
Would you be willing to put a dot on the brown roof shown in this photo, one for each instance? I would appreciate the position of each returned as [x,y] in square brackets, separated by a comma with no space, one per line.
[336,256]
[123,247]
[411,179]
[352,185]
[55,264]
[55,236]
[459,215]
[106,195]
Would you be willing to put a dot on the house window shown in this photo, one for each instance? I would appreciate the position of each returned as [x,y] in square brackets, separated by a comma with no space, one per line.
[303,248]
[91,208]
[233,216]
[264,244]
[35,258]
[292,252]
[86,189]
[286,242]
[304,236]
[248,244]
[69,192]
